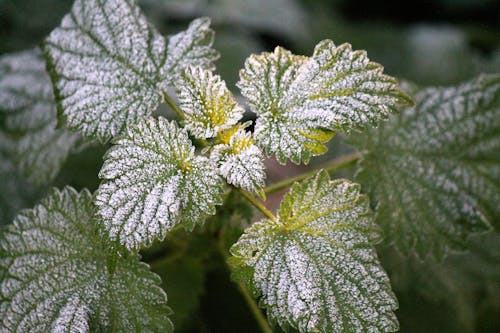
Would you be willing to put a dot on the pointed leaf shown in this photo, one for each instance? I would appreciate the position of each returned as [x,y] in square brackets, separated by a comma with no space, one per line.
[241,162]
[154,181]
[301,101]
[110,67]
[192,47]
[208,106]
[434,170]
[29,136]
[57,277]
[315,266]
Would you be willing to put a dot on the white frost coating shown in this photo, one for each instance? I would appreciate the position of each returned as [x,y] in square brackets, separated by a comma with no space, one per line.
[435,163]
[208,106]
[110,66]
[55,278]
[315,267]
[241,162]
[301,101]
[153,181]
[192,47]
[29,136]
[73,318]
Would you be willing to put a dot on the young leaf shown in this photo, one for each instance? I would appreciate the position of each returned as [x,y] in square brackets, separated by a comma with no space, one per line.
[434,170]
[208,106]
[301,101]
[192,47]
[315,266]
[154,181]
[57,275]
[241,162]
[29,136]
[110,67]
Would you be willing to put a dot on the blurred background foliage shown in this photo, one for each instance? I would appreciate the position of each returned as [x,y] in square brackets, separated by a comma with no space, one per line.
[440,42]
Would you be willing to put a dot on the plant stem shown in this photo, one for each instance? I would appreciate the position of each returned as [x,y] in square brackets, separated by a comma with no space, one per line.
[259,316]
[337,164]
[258,204]
[174,107]
[249,300]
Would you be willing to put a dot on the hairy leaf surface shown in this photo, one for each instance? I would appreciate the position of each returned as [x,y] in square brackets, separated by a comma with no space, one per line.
[240,161]
[57,275]
[208,106]
[301,100]
[28,135]
[315,267]
[434,170]
[154,181]
[110,67]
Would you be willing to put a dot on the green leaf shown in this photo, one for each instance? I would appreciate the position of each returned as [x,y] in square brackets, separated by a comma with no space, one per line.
[29,136]
[240,161]
[315,266]
[110,67]
[208,106]
[57,276]
[154,181]
[434,170]
[301,101]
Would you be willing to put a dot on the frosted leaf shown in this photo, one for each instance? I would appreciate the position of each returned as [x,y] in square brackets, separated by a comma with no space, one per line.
[192,47]
[57,275]
[241,162]
[301,101]
[110,67]
[208,106]
[434,170]
[73,318]
[154,181]
[29,136]
[315,267]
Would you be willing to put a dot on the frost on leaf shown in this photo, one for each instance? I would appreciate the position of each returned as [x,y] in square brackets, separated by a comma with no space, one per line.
[207,105]
[315,267]
[434,170]
[110,67]
[154,181]
[240,161]
[28,135]
[192,47]
[301,101]
[56,275]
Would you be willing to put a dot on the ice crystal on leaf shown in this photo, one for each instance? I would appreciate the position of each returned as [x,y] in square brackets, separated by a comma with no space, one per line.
[56,275]
[154,181]
[434,170]
[110,67]
[301,101]
[29,136]
[240,161]
[208,106]
[315,266]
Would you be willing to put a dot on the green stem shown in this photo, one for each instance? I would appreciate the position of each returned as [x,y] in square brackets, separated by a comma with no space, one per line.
[249,300]
[174,107]
[337,164]
[254,308]
[258,204]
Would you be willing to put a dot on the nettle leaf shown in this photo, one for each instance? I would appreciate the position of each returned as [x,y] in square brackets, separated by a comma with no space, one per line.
[28,135]
[315,266]
[154,181]
[208,106]
[110,67]
[240,161]
[434,170]
[301,101]
[57,275]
